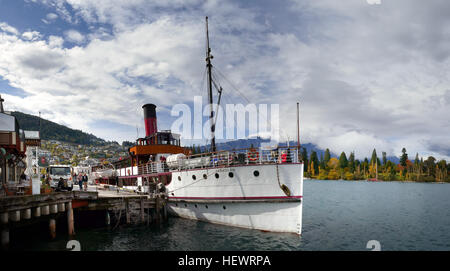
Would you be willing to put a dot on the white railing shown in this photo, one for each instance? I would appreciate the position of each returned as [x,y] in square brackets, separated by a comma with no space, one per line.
[250,156]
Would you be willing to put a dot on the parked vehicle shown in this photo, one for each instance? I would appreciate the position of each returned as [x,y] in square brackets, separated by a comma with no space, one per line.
[55,172]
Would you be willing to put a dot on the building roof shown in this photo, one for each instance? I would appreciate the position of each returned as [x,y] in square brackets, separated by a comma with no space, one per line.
[31,134]
[8,123]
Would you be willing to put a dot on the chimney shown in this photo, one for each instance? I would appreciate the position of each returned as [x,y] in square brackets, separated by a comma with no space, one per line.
[150,119]
[1,104]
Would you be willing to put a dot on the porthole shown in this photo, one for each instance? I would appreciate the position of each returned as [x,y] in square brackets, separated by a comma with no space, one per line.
[179,178]
[205,176]
[230,174]
[256,173]
[195,205]
[193,177]
[206,206]
[217,175]
[224,207]
[173,194]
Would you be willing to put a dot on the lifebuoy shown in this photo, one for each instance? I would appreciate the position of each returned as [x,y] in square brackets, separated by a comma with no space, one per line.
[284,158]
[253,155]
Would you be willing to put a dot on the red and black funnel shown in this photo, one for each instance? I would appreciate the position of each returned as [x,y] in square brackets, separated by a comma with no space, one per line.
[150,119]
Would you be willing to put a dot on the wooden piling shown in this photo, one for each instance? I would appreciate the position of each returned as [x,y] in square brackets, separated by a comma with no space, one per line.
[61,207]
[14,216]
[157,207]
[142,211]
[127,211]
[26,214]
[70,224]
[107,218]
[37,212]
[5,238]
[52,228]
[45,210]
[165,212]
[54,208]
[4,218]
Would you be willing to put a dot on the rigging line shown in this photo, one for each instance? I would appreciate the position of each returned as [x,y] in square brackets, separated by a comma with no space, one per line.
[203,81]
[248,101]
[215,81]
[219,90]
[259,113]
[231,84]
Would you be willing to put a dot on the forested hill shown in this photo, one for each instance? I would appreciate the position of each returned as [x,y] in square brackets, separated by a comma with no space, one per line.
[54,131]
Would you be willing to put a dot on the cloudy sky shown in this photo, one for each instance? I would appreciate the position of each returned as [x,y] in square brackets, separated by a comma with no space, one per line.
[368,74]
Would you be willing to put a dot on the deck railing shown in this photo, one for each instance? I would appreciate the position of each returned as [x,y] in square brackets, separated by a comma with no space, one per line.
[250,156]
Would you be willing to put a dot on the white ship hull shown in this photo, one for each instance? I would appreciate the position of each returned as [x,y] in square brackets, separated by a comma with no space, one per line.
[241,199]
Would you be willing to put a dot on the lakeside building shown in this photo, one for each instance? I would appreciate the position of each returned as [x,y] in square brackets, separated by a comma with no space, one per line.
[12,152]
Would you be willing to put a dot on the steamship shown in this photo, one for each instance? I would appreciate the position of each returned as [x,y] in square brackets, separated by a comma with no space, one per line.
[252,188]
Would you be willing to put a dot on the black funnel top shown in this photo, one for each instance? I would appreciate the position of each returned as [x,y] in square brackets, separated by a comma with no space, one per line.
[149,111]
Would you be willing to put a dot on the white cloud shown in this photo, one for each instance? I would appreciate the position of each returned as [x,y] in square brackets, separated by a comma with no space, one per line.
[55,41]
[51,16]
[7,28]
[74,36]
[31,35]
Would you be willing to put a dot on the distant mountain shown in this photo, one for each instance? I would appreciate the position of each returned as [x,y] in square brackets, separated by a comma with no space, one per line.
[53,131]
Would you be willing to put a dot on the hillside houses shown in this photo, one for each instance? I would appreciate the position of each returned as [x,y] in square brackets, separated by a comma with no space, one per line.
[82,155]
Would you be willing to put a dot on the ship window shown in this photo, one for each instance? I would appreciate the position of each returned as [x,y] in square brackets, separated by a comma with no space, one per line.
[179,178]
[224,207]
[230,174]
[217,175]
[256,173]
[193,177]
[195,205]
[206,206]
[205,176]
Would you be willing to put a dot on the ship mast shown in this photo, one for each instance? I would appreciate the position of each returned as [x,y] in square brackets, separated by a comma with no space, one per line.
[210,96]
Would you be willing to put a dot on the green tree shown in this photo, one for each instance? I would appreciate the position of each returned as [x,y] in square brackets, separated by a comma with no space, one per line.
[305,159]
[351,162]
[416,160]
[343,162]
[314,161]
[403,157]
[322,162]
[373,160]
[430,165]
[327,156]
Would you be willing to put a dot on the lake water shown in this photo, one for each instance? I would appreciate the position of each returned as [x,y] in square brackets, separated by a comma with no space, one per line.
[337,215]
